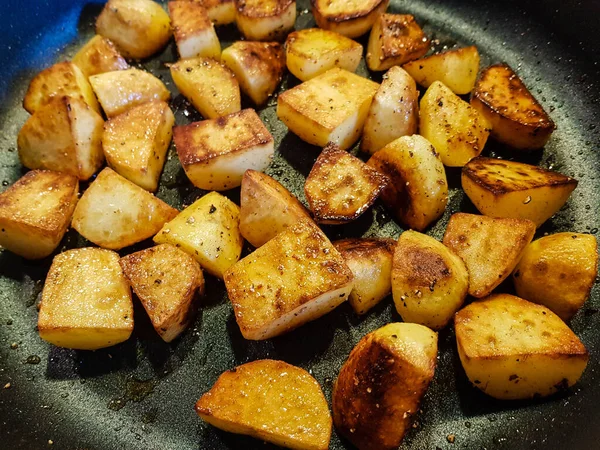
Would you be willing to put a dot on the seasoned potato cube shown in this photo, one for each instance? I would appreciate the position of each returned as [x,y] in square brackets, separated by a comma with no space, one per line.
[139,28]
[352,18]
[265,20]
[296,277]
[394,111]
[395,39]
[165,279]
[135,143]
[329,108]
[501,188]
[490,248]
[272,401]
[221,12]
[418,191]
[513,349]
[516,116]
[210,86]
[121,90]
[99,55]
[86,302]
[64,135]
[380,386]
[193,30]
[456,129]
[258,67]
[115,213]
[558,271]
[208,230]
[340,187]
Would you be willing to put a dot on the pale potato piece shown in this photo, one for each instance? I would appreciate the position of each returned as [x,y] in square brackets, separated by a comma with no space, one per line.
[380,386]
[296,277]
[86,301]
[99,55]
[331,107]
[208,230]
[221,12]
[216,153]
[490,247]
[500,188]
[513,349]
[265,20]
[351,18]
[166,280]
[558,271]
[115,213]
[135,143]
[193,30]
[272,401]
[418,191]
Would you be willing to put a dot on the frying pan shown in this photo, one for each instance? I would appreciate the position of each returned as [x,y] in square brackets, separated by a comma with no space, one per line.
[140,394]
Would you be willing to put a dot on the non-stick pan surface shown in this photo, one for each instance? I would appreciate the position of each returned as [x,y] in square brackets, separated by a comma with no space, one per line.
[140,394]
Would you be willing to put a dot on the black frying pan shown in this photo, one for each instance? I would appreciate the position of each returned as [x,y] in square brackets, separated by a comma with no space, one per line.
[140,394]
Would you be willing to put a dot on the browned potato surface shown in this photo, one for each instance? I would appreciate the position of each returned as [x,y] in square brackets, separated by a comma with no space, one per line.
[221,12]
[193,30]
[99,55]
[352,18]
[265,20]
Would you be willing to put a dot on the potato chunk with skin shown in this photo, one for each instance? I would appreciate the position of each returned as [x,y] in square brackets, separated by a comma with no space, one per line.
[296,277]
[86,301]
[329,108]
[272,401]
[340,187]
[380,386]
[501,188]
[265,20]
[558,271]
[99,55]
[193,30]
[513,349]
[221,12]
[351,18]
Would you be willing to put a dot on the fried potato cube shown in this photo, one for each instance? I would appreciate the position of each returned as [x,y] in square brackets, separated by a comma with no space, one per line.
[429,281]
[558,271]
[139,28]
[208,230]
[99,55]
[296,277]
[193,30]
[136,142]
[265,20]
[114,213]
[500,188]
[517,119]
[221,12]
[86,301]
[489,247]
[216,153]
[417,193]
[209,85]
[61,79]
[165,279]
[351,18]
[340,187]
[64,135]
[370,261]
[121,90]
[272,401]
[258,67]
[380,386]
[331,107]
[513,349]
[394,111]
[36,211]
[456,129]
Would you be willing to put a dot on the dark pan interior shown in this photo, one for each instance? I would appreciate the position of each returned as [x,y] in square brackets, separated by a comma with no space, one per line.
[140,394]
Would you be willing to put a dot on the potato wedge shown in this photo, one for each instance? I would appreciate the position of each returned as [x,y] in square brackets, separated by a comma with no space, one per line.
[272,401]
[558,271]
[86,301]
[331,107]
[490,247]
[417,193]
[193,30]
[265,20]
[221,12]
[380,386]
[351,18]
[517,119]
[500,188]
[99,55]
[296,277]
[513,349]
[340,187]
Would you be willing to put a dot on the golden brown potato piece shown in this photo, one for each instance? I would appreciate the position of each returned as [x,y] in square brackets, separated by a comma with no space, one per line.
[513,349]
[265,20]
[272,401]
[340,187]
[193,30]
[221,12]
[490,247]
[501,188]
[352,18]
[380,386]
[558,271]
[516,116]
[99,55]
